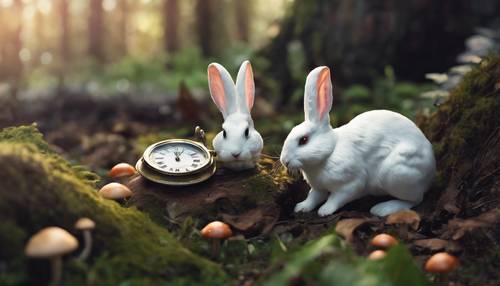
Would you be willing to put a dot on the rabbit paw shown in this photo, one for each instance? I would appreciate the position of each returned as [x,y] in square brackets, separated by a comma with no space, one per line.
[305,206]
[326,209]
[389,207]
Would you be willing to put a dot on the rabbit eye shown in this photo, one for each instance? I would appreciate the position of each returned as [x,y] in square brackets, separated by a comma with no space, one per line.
[224,133]
[246,132]
[303,140]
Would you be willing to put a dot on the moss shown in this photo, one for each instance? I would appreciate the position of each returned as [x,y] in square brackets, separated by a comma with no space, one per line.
[465,120]
[38,190]
[29,135]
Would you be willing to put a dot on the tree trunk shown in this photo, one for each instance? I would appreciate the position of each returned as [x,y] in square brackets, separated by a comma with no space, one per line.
[17,44]
[96,30]
[204,24]
[123,6]
[243,12]
[171,25]
[65,32]
[359,38]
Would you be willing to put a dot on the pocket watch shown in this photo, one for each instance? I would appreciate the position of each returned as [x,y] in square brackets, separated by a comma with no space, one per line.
[178,162]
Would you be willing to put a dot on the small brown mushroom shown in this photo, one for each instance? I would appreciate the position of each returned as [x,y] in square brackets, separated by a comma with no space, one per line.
[52,242]
[383,240]
[216,231]
[121,170]
[441,262]
[86,225]
[115,191]
[377,254]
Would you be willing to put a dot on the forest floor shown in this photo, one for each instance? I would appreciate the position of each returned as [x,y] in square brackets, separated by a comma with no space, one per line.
[459,214]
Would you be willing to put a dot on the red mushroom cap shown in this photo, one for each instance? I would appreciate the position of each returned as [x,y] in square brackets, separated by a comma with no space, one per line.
[384,240]
[121,170]
[441,262]
[216,229]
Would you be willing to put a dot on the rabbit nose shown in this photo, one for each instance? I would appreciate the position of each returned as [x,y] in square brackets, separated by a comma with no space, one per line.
[286,163]
[235,155]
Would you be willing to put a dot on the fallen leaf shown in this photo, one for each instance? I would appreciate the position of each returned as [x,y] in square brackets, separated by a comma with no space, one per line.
[245,221]
[435,244]
[346,227]
[405,217]
[432,243]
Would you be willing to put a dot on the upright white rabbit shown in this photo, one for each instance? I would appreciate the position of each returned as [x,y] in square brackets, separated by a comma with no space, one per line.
[378,152]
[238,145]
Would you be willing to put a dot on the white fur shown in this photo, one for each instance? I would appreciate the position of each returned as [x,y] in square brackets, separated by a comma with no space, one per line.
[378,152]
[237,118]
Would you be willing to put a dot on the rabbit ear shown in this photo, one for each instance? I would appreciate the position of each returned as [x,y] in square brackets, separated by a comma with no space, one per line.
[318,95]
[245,87]
[222,89]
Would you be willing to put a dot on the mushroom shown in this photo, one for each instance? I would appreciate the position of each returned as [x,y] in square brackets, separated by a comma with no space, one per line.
[121,170]
[384,240]
[404,219]
[115,191]
[86,225]
[442,263]
[376,255]
[51,242]
[216,231]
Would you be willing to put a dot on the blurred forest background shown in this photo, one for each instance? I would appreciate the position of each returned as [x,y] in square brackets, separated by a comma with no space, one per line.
[130,68]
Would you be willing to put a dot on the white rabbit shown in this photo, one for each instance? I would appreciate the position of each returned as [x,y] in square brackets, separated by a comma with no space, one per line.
[238,145]
[379,152]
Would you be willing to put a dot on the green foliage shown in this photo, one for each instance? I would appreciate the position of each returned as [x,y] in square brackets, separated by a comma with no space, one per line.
[39,190]
[385,93]
[141,75]
[325,261]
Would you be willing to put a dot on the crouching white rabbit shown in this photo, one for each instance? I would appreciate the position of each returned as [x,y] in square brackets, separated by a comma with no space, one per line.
[238,145]
[379,152]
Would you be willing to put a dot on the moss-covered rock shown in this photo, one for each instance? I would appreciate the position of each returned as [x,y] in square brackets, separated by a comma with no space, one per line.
[38,189]
[463,133]
[466,138]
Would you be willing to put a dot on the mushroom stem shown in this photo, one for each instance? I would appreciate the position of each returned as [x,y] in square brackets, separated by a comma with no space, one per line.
[56,262]
[87,238]
[215,247]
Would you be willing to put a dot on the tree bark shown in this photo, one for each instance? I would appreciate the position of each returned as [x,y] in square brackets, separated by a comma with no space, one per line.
[359,38]
[243,12]
[17,43]
[171,25]
[65,32]
[96,32]
[124,11]
[204,24]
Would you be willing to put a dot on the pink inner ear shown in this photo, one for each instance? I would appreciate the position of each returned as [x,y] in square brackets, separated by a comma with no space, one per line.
[324,89]
[249,87]
[217,88]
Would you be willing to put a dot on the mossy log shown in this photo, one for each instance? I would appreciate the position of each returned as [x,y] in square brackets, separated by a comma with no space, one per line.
[463,204]
[250,201]
[39,189]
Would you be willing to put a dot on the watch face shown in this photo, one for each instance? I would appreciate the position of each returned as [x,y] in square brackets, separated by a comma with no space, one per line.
[177,157]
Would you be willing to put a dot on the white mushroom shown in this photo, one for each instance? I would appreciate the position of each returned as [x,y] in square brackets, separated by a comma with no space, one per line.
[51,242]
[86,225]
[115,191]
